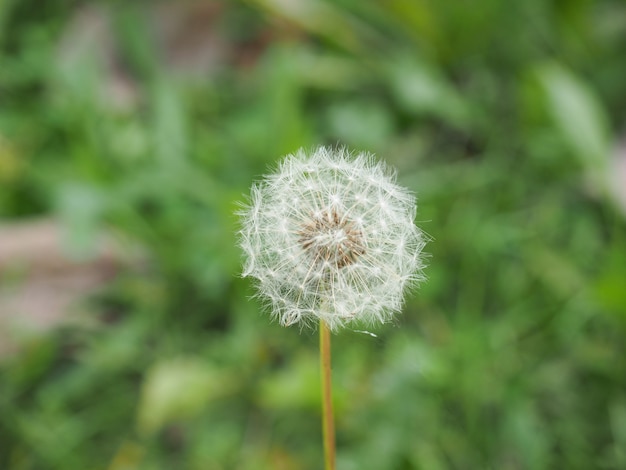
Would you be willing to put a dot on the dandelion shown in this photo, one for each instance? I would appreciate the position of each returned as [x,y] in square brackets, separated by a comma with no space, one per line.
[331,237]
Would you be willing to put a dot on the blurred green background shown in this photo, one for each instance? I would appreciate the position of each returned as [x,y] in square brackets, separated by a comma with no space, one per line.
[150,120]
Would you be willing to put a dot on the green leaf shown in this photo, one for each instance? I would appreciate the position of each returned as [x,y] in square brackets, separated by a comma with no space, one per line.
[420,89]
[176,389]
[577,114]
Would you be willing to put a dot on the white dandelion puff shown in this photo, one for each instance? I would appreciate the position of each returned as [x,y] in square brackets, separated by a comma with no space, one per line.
[331,237]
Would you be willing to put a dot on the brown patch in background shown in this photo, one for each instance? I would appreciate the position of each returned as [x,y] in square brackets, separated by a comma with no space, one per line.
[40,285]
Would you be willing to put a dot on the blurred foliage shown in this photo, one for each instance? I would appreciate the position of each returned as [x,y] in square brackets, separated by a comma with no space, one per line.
[499,115]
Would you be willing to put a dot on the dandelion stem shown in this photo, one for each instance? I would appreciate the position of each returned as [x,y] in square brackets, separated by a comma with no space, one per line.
[328,423]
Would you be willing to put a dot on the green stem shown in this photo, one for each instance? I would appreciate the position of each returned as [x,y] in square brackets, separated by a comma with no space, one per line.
[328,423]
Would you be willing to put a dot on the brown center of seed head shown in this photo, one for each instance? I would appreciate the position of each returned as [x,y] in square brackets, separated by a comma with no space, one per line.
[332,238]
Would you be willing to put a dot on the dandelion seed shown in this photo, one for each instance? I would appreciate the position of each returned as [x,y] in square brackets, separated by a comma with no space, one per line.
[331,237]
[373,335]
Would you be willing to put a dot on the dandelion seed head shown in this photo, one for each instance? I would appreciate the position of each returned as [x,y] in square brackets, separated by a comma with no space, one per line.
[331,236]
